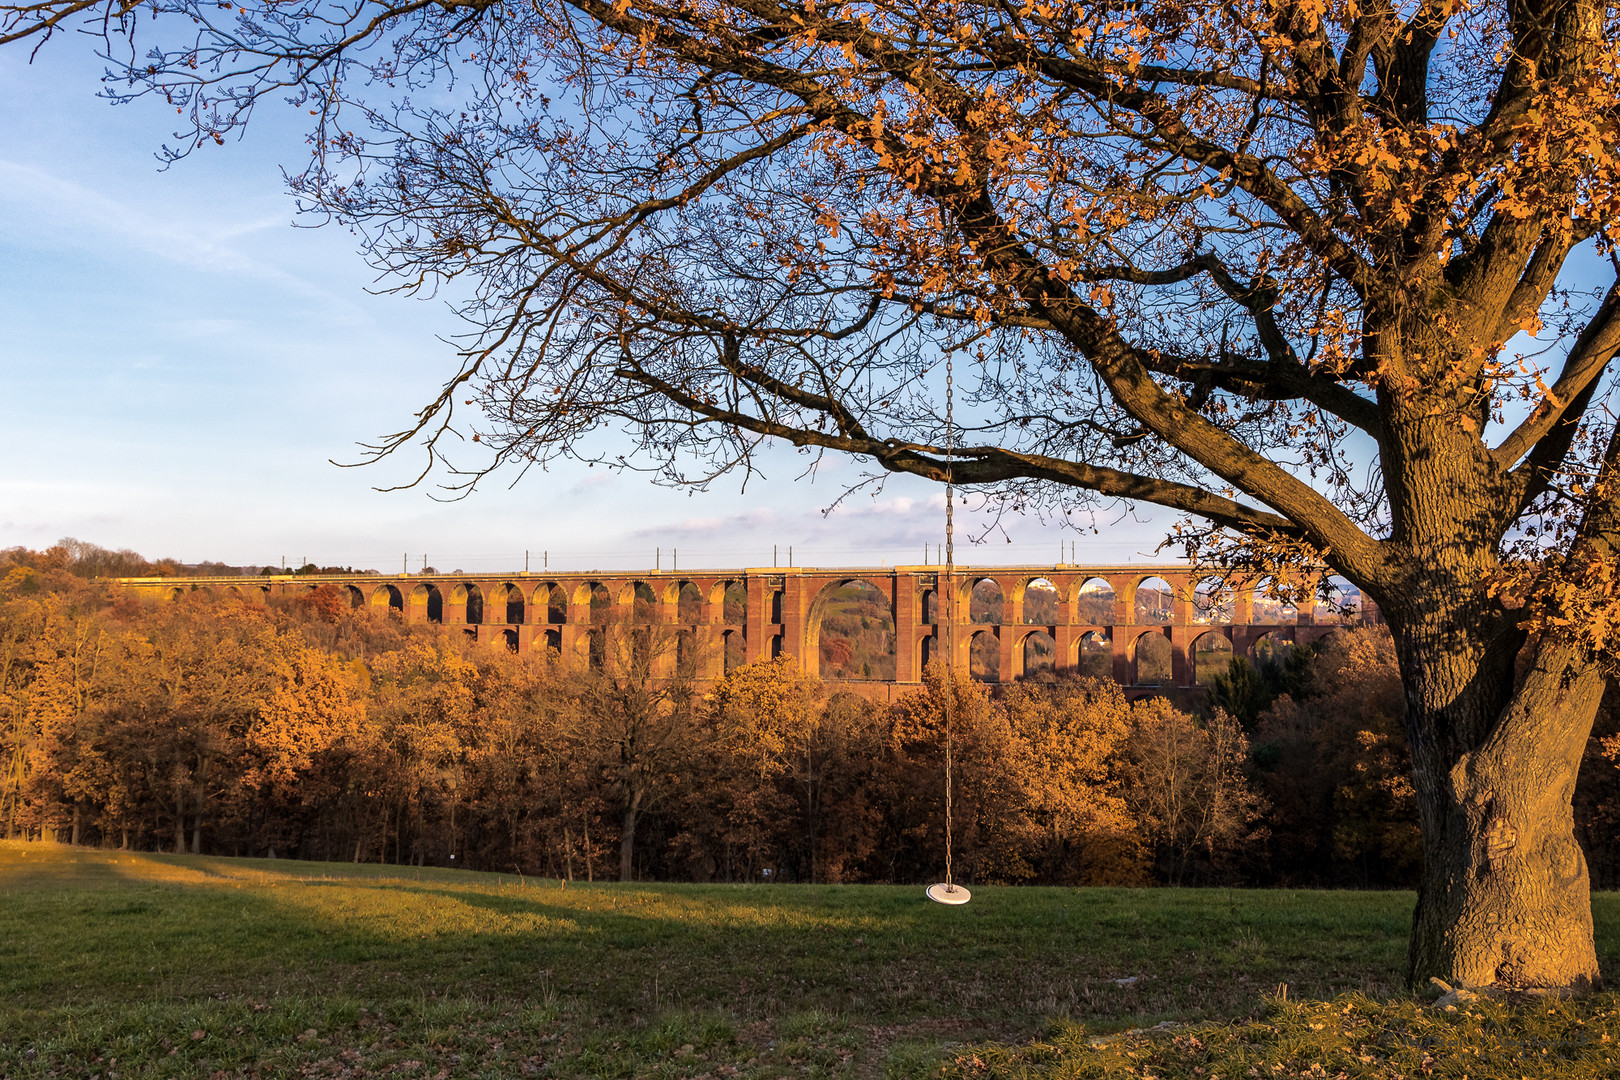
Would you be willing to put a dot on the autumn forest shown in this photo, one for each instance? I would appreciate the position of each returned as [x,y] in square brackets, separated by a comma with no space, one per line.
[307,728]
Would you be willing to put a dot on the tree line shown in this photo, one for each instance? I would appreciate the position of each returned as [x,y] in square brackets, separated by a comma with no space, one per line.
[309,728]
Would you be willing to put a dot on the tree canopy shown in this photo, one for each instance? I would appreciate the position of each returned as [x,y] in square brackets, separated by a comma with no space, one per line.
[1211,256]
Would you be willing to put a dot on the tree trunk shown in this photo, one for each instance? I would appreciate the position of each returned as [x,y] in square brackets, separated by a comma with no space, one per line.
[1504,898]
[627,837]
[179,820]
[1496,742]
[810,808]
[201,805]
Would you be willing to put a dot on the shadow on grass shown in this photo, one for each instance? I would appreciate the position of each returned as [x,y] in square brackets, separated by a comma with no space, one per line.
[124,925]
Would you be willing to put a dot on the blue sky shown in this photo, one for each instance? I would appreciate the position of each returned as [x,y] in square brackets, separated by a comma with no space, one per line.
[179,364]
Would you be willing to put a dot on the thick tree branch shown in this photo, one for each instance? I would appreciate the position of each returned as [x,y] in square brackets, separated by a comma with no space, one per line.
[968,465]
[1271,381]
[1283,376]
[1592,352]
[1539,277]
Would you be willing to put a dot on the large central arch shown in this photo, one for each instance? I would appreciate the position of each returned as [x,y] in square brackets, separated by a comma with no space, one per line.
[832,596]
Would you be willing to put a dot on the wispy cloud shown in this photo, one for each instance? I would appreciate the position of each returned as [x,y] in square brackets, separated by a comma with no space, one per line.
[724,526]
[64,205]
[593,481]
[62,210]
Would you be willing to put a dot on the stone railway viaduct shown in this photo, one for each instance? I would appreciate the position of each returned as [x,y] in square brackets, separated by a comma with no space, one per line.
[739,616]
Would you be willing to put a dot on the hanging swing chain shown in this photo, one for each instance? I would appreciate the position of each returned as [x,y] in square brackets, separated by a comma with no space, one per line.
[949,594]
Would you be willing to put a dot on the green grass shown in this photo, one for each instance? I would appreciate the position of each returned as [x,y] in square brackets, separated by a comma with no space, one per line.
[200,967]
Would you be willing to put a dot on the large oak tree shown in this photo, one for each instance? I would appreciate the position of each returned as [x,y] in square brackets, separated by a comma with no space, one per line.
[1327,276]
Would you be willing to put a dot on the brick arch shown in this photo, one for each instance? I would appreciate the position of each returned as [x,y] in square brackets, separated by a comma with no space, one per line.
[1218,603]
[816,610]
[673,593]
[928,648]
[1101,641]
[1134,654]
[498,604]
[964,592]
[717,599]
[733,650]
[387,596]
[629,591]
[1021,602]
[928,606]
[1016,633]
[634,591]
[668,594]
[1078,593]
[1019,651]
[1136,589]
[585,600]
[469,604]
[965,643]
[1282,636]
[425,603]
[1333,630]
[542,596]
[1270,612]
[1198,677]
[1350,600]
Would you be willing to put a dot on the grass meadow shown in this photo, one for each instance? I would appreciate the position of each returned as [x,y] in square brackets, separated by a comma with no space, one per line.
[118,964]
